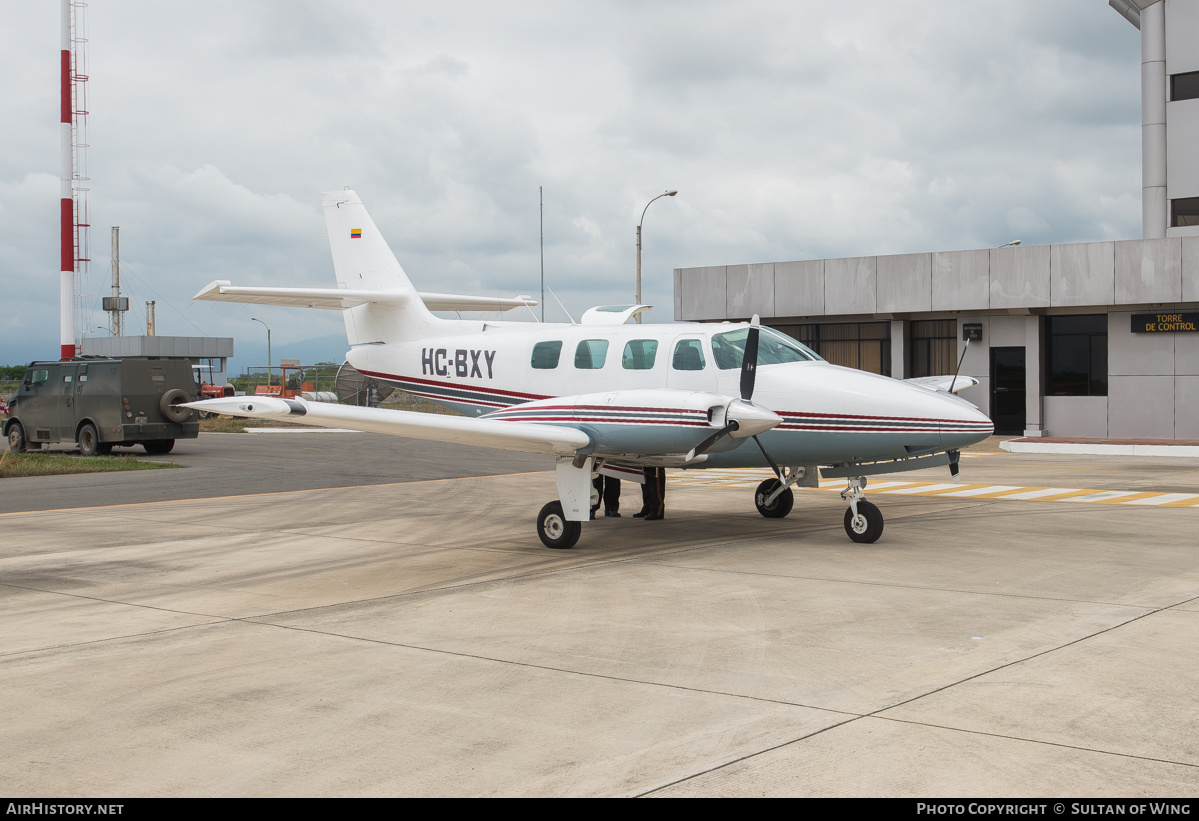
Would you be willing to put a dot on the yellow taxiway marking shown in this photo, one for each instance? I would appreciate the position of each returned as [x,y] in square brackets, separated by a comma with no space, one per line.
[752,477]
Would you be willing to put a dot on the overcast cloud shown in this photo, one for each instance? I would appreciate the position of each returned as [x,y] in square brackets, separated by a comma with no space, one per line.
[792,131]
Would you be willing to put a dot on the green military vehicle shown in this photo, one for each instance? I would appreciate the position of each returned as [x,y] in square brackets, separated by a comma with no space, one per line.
[103,403]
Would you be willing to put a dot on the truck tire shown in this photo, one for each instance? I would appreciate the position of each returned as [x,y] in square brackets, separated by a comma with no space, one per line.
[89,440]
[16,438]
[169,405]
[157,446]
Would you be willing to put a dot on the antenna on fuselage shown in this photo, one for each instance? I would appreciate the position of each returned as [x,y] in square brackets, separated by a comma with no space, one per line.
[560,305]
[962,359]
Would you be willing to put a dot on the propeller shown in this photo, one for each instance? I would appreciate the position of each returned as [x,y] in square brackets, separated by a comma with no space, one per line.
[755,418]
[749,362]
[713,439]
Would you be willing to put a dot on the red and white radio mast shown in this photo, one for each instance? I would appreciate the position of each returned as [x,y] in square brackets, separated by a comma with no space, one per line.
[74,248]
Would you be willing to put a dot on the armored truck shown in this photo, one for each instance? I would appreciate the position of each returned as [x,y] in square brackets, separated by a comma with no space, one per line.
[103,403]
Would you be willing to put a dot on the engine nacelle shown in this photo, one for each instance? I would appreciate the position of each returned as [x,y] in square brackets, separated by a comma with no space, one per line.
[647,422]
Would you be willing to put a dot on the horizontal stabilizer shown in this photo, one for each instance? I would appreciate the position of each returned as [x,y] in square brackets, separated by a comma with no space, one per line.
[456,302]
[339,299]
[524,437]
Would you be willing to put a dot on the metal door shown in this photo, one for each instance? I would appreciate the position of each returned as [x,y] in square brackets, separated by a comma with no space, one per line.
[1008,390]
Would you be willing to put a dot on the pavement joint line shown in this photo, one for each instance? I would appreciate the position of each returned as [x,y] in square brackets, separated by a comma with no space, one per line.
[892,585]
[746,757]
[668,551]
[267,493]
[1142,498]
[879,713]
[916,724]
[552,669]
[1036,741]
[1071,643]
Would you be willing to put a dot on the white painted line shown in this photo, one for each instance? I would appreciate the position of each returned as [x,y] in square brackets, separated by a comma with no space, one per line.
[1039,494]
[1095,449]
[920,489]
[301,430]
[1103,496]
[1163,499]
[978,491]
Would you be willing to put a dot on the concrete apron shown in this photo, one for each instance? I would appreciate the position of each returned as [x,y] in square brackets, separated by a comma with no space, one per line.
[419,640]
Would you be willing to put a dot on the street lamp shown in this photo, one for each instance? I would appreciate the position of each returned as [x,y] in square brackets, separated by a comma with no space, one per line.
[1012,243]
[669,193]
[268,349]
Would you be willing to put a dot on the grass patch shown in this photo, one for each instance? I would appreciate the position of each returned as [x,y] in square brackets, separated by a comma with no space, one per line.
[406,401]
[58,464]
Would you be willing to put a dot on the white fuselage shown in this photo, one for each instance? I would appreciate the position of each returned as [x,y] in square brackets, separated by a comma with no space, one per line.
[830,414]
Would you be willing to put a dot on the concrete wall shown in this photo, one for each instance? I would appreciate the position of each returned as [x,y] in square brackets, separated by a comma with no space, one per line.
[1091,274]
[195,347]
[192,347]
[1076,416]
[1182,33]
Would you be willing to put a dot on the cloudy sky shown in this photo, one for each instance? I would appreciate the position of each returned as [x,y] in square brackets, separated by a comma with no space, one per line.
[792,130]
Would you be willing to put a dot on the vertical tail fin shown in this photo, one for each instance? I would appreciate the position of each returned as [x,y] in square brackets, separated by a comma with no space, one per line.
[362,260]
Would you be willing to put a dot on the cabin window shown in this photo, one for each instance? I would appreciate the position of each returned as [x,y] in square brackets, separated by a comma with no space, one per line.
[591,353]
[688,355]
[774,348]
[546,354]
[38,377]
[639,354]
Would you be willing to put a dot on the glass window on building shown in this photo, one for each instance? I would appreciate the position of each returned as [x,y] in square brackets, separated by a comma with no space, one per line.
[1076,352]
[862,345]
[933,348]
[591,353]
[1184,212]
[1184,86]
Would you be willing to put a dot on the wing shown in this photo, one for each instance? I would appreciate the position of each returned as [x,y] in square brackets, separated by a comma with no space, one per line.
[525,437]
[339,299]
[944,383]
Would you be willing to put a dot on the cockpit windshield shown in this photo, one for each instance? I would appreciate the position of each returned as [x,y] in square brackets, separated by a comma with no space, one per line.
[728,349]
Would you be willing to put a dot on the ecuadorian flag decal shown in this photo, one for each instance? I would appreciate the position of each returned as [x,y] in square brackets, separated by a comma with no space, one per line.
[355,233]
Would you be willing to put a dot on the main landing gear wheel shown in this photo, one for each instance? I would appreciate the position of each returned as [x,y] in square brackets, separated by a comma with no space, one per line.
[554,530]
[780,507]
[867,526]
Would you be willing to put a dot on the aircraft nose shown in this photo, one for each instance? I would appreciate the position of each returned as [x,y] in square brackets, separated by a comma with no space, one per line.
[961,423]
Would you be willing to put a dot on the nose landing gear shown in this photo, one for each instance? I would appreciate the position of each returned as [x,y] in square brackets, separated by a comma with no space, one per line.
[863,520]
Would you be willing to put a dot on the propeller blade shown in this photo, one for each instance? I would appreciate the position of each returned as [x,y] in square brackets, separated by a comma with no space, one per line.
[712,440]
[749,362]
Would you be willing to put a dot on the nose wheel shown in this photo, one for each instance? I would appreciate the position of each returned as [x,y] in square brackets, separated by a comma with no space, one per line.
[866,525]
[863,520]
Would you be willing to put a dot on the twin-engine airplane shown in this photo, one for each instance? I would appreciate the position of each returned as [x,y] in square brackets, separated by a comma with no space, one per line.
[605,395]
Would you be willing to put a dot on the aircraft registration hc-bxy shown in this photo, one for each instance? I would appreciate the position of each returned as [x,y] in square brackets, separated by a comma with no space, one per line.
[608,396]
